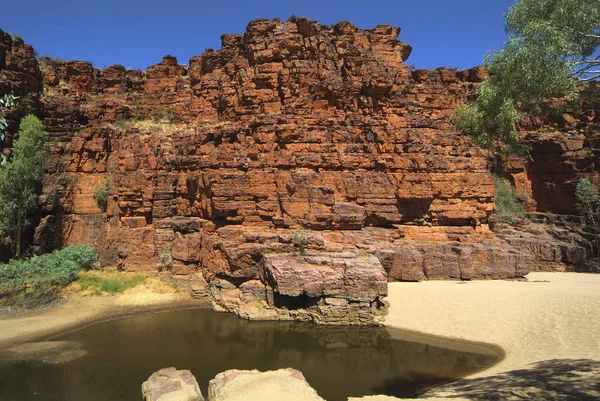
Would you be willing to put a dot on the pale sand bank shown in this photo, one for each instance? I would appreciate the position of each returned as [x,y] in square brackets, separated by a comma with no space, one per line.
[532,321]
[552,316]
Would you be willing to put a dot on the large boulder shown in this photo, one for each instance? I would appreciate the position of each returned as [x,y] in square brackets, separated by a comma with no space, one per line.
[337,275]
[253,385]
[170,384]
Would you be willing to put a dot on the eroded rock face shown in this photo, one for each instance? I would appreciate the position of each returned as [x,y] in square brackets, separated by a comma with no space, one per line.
[553,242]
[327,288]
[170,384]
[291,125]
[564,143]
[253,385]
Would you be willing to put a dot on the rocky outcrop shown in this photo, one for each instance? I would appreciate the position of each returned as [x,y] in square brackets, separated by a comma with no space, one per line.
[553,242]
[331,288]
[20,73]
[288,384]
[252,385]
[170,384]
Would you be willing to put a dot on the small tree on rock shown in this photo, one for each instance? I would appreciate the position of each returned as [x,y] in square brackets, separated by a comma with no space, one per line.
[20,178]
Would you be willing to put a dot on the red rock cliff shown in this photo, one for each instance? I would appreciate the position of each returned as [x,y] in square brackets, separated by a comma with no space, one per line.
[291,125]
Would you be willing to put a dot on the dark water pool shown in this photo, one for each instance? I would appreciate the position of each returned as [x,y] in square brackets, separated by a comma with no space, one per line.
[337,361]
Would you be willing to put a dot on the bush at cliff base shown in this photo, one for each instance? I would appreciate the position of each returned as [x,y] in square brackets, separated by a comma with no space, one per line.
[508,207]
[38,280]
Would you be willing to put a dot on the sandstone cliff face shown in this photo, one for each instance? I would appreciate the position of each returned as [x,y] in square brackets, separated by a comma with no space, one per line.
[291,125]
[564,146]
[21,76]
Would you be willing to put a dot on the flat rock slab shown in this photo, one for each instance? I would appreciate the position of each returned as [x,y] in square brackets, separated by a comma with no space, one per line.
[170,384]
[253,385]
[341,275]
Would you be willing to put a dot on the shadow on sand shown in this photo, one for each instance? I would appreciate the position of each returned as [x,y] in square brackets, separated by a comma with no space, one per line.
[556,379]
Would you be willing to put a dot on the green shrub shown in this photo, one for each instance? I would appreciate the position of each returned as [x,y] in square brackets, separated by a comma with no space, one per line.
[100,285]
[102,193]
[300,239]
[492,118]
[587,202]
[165,261]
[85,256]
[20,181]
[508,205]
[163,115]
[44,275]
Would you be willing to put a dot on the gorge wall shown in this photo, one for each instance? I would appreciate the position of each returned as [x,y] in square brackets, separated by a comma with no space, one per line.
[295,170]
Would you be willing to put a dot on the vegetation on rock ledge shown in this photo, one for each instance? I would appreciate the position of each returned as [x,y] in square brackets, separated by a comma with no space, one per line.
[508,205]
[587,201]
[6,102]
[102,193]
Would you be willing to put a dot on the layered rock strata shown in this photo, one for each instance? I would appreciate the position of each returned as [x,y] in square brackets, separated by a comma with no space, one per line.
[215,167]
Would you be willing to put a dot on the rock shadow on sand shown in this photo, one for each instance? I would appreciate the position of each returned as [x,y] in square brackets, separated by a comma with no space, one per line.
[556,379]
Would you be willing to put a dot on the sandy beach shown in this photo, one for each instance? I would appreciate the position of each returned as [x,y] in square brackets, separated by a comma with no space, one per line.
[548,326]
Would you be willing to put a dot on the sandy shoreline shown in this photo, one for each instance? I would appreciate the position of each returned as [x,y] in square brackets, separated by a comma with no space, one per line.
[80,311]
[550,317]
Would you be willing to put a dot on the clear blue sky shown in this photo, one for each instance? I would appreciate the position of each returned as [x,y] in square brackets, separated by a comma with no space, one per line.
[137,33]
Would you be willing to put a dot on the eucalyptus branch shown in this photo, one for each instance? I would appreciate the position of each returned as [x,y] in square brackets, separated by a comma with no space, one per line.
[593,61]
[589,35]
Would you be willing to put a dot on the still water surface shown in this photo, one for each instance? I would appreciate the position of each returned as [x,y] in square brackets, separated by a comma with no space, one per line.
[337,361]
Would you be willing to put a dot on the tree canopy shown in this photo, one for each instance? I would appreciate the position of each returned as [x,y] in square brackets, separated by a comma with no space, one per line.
[552,45]
[20,178]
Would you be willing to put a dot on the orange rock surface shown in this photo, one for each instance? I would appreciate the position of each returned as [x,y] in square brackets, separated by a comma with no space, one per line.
[291,125]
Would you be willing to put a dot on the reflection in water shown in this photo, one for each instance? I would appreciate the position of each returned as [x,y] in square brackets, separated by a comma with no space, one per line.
[337,361]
